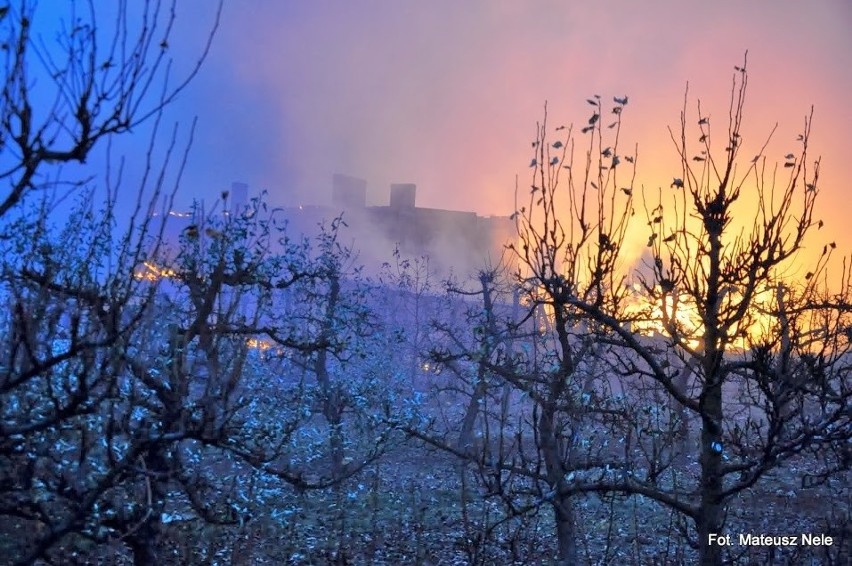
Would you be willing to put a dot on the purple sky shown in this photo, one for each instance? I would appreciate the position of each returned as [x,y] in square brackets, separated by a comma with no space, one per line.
[446,94]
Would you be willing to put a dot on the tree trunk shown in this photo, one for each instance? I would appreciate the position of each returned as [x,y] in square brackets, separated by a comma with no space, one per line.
[711,508]
[711,511]
[480,390]
[566,533]
[682,446]
[142,545]
[144,541]
[465,442]
[332,402]
[562,507]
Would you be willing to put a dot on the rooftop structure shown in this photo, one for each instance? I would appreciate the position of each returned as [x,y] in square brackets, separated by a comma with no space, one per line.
[454,241]
[461,242]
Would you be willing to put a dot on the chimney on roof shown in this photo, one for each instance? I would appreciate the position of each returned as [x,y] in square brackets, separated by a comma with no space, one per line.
[402,196]
[348,192]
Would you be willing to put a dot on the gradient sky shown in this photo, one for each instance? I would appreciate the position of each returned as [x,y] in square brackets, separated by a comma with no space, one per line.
[446,94]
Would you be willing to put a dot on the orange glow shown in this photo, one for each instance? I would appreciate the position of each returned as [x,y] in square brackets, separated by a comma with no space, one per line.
[681,313]
[459,114]
[149,271]
[264,346]
[259,343]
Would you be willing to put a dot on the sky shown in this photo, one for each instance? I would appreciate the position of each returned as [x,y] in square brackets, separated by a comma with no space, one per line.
[446,94]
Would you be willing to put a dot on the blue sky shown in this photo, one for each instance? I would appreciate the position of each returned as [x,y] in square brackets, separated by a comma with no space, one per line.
[446,94]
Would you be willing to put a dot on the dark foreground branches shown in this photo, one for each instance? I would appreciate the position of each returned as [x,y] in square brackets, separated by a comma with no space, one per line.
[212,388]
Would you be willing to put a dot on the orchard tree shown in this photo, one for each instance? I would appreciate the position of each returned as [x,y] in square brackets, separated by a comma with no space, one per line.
[527,353]
[144,381]
[70,300]
[195,381]
[94,79]
[271,373]
[686,379]
[756,361]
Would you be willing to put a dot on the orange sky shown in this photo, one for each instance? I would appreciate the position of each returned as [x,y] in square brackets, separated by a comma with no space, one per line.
[446,94]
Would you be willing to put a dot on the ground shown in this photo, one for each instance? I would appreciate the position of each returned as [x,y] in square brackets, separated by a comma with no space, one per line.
[414,508]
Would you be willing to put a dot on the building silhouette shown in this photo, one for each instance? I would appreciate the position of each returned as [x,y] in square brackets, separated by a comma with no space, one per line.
[455,242]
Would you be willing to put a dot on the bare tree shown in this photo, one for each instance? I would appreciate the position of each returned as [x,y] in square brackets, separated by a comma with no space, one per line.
[174,385]
[242,288]
[96,79]
[744,379]
[72,298]
[752,414]
[685,383]
[71,305]
[528,348]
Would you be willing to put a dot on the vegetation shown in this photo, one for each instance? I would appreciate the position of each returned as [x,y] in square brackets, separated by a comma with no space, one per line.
[245,395]
[745,373]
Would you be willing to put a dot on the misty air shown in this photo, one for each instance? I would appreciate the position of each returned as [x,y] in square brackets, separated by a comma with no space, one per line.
[428,283]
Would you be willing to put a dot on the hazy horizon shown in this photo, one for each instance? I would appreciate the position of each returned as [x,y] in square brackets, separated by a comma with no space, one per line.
[447,95]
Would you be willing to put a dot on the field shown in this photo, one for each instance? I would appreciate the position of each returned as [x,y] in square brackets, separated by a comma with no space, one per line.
[418,506]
